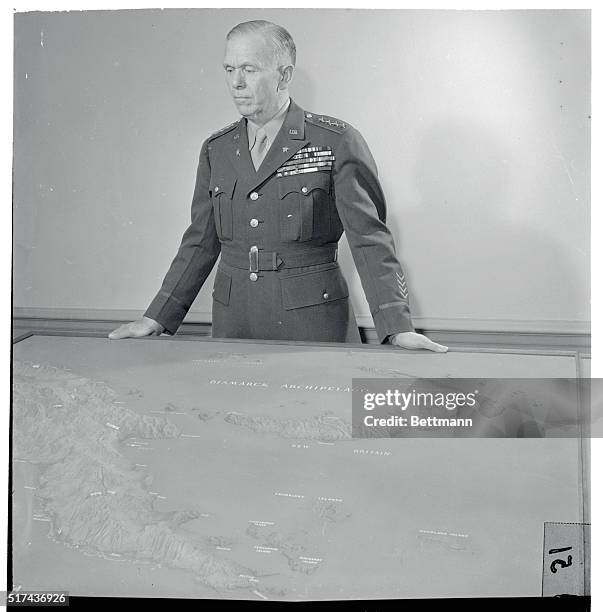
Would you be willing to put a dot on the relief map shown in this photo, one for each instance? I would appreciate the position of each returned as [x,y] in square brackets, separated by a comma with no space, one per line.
[209,469]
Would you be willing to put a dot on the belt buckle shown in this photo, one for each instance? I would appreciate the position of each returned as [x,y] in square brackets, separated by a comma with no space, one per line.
[277,261]
[254,263]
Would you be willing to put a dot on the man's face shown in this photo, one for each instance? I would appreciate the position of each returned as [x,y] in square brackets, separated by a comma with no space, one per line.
[252,76]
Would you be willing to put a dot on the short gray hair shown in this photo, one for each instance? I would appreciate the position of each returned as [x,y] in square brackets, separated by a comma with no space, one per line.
[279,37]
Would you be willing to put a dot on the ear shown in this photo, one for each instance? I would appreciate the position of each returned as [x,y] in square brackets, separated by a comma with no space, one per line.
[286,76]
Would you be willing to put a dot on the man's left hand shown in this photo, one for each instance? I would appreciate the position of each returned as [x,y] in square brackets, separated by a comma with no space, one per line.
[412,340]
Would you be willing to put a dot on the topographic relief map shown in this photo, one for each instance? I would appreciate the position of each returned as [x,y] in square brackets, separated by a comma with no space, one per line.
[173,468]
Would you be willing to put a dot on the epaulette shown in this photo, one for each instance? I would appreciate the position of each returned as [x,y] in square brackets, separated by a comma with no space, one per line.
[336,125]
[224,130]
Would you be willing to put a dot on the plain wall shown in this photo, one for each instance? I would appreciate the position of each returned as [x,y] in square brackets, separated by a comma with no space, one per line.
[479,122]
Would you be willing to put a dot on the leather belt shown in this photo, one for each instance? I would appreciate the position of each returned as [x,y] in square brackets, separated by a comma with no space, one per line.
[256,260]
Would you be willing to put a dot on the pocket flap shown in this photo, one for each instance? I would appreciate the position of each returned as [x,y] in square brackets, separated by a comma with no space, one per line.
[223,185]
[222,282]
[312,288]
[303,183]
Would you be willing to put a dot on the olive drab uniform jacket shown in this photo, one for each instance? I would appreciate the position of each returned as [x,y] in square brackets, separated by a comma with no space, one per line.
[276,232]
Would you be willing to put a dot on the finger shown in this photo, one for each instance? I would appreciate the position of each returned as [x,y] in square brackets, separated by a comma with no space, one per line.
[115,334]
[430,345]
[121,332]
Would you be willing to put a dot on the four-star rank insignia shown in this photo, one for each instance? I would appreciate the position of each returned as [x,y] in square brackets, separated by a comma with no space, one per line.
[330,123]
[224,130]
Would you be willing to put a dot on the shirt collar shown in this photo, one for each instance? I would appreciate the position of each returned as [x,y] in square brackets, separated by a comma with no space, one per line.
[271,128]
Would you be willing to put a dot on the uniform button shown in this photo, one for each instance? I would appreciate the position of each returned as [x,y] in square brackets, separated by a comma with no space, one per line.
[253,276]
[254,195]
[304,190]
[254,222]
[325,295]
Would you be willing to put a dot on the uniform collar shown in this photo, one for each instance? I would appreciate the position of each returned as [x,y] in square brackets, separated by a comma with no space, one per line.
[288,141]
[294,124]
[292,128]
[271,128]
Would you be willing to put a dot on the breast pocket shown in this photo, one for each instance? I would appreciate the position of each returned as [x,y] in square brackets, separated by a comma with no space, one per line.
[304,206]
[222,191]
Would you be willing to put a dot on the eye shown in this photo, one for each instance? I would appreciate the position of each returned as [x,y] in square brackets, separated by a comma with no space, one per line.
[228,68]
[249,69]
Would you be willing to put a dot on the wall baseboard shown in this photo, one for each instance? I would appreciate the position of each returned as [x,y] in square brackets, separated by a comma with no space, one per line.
[531,326]
[558,335]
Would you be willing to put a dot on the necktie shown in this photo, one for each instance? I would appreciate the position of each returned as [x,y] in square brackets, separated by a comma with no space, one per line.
[258,150]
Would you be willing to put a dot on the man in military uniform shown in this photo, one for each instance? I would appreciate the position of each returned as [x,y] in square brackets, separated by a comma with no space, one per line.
[274,193]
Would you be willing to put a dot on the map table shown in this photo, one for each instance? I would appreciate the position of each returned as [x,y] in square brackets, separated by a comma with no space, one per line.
[164,467]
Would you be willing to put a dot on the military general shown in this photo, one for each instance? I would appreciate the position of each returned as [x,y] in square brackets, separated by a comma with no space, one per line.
[274,193]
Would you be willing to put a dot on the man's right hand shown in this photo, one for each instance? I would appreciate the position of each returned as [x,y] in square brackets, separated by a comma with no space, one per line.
[137,329]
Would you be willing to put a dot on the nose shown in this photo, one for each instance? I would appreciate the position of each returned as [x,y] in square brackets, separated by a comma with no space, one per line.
[238,79]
